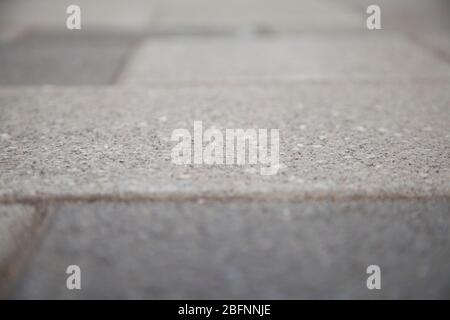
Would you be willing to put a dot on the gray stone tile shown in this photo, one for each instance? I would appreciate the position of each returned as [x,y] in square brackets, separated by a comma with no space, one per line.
[63,58]
[412,16]
[309,56]
[236,15]
[243,250]
[251,15]
[8,35]
[438,43]
[336,139]
[99,14]
[17,225]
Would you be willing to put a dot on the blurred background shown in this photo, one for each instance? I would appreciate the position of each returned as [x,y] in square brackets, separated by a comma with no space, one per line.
[36,48]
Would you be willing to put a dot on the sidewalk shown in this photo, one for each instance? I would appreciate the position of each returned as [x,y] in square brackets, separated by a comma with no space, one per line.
[86,176]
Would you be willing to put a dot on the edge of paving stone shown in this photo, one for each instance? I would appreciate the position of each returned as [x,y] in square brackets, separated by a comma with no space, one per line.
[16,262]
[420,41]
[46,206]
[47,199]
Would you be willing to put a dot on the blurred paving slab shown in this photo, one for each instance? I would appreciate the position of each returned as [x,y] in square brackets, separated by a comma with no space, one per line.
[18,224]
[307,56]
[98,14]
[438,42]
[243,250]
[336,140]
[233,15]
[259,15]
[64,58]
[412,16]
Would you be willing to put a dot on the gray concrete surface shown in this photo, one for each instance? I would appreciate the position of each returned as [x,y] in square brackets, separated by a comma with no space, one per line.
[64,58]
[439,43]
[17,226]
[243,250]
[253,15]
[304,57]
[99,14]
[243,15]
[85,123]
[409,16]
[336,139]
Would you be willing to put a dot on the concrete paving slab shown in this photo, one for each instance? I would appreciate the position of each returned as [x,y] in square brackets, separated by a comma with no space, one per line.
[336,140]
[99,14]
[64,58]
[243,250]
[18,224]
[439,43]
[412,16]
[309,56]
[251,15]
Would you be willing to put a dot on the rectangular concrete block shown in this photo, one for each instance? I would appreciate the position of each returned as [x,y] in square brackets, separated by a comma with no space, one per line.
[410,16]
[307,56]
[64,58]
[255,15]
[336,140]
[18,224]
[243,251]
[52,15]
[438,43]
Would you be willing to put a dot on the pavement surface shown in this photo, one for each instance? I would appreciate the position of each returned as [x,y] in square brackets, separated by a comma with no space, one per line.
[241,250]
[86,176]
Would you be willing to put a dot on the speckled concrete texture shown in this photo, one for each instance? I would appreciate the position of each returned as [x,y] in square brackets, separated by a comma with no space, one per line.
[335,139]
[86,172]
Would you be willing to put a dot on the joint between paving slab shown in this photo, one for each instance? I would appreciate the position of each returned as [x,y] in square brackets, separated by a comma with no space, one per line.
[294,80]
[125,60]
[436,52]
[10,272]
[46,200]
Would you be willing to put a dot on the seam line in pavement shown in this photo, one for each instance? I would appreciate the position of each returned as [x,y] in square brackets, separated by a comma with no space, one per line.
[186,197]
[436,52]
[18,260]
[124,61]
